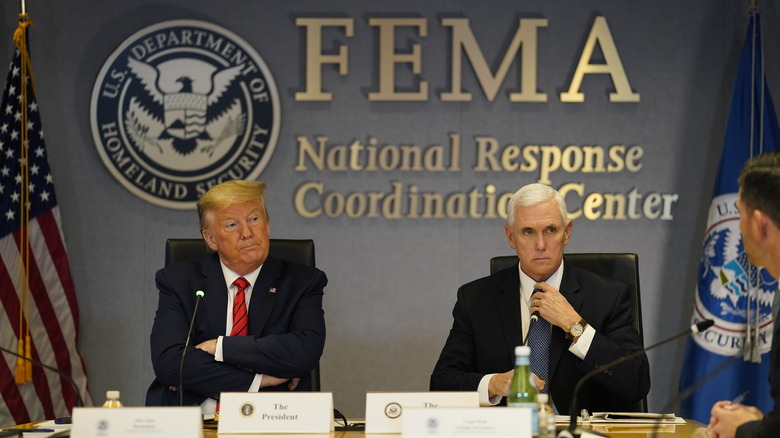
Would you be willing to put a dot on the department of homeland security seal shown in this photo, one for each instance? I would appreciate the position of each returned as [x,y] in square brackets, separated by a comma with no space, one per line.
[181,106]
[728,285]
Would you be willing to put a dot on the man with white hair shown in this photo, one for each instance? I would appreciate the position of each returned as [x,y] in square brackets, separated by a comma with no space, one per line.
[585,320]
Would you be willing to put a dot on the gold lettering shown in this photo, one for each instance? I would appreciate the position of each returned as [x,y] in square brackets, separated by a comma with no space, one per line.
[315,59]
[463,38]
[600,34]
[577,188]
[389,58]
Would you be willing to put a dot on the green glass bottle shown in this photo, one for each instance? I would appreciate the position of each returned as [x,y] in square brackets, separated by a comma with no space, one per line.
[522,393]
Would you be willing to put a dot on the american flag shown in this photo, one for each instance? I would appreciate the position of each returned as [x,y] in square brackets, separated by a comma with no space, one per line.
[36,288]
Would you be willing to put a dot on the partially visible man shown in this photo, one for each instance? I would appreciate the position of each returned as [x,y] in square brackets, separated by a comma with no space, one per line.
[260,326]
[589,316]
[759,221]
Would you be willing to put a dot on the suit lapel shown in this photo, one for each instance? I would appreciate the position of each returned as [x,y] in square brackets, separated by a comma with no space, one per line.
[570,290]
[215,300]
[508,304]
[264,293]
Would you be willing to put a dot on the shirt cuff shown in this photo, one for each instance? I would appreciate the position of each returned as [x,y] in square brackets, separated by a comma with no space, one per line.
[218,350]
[484,400]
[581,347]
[255,386]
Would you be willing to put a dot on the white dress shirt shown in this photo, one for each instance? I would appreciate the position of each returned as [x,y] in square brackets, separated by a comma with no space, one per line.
[579,348]
[209,406]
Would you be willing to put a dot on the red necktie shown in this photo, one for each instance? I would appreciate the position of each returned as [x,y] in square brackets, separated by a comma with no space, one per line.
[240,317]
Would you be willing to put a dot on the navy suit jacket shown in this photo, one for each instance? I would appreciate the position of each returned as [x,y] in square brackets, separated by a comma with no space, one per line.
[486,328]
[286,329]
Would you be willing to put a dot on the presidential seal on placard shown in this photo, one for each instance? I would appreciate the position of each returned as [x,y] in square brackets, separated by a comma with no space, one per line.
[730,290]
[393,410]
[181,106]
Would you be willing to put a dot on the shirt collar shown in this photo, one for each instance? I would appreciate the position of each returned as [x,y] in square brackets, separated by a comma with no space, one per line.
[527,283]
[231,276]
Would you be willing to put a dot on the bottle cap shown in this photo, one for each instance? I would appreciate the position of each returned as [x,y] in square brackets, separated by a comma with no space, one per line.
[522,350]
[112,395]
[542,398]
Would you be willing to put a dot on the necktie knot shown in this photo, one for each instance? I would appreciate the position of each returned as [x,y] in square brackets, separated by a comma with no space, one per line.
[241,283]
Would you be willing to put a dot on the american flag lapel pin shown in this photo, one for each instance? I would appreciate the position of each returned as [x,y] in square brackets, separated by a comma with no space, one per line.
[272,290]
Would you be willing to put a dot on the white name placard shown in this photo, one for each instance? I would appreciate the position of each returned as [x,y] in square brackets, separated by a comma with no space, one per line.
[275,412]
[183,422]
[491,422]
[384,410]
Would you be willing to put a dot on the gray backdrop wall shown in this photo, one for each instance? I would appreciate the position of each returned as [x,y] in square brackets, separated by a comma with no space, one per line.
[393,281]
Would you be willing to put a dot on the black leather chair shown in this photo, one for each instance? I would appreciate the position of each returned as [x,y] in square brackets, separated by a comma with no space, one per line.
[294,250]
[620,266]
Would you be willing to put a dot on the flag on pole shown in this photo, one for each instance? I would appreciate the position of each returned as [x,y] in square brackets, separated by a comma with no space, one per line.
[39,316]
[735,294]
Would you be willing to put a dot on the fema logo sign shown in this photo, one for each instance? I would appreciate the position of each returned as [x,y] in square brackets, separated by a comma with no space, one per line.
[730,289]
[181,106]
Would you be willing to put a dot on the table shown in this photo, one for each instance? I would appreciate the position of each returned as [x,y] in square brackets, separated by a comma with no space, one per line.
[686,430]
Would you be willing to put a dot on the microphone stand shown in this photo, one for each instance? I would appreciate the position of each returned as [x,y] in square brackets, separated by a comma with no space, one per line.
[693,388]
[199,295]
[572,430]
[79,400]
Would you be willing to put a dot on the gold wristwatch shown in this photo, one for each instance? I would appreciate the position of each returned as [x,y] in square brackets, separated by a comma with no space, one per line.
[576,329]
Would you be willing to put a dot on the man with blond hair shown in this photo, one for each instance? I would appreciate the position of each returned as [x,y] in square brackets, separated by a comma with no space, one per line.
[260,326]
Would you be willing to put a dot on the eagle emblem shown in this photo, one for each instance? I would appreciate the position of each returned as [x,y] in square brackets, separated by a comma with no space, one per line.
[730,290]
[726,277]
[183,115]
[180,106]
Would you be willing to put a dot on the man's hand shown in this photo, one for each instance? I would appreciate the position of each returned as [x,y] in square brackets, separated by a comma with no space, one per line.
[726,418]
[539,383]
[501,383]
[553,307]
[209,346]
[269,380]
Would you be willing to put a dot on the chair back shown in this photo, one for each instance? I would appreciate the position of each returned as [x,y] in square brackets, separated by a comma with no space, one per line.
[623,267]
[294,250]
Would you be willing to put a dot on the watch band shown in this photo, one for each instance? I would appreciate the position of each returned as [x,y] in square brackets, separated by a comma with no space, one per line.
[581,323]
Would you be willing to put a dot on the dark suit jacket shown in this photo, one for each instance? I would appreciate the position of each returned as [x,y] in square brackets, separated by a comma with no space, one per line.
[286,329]
[487,327]
[769,426]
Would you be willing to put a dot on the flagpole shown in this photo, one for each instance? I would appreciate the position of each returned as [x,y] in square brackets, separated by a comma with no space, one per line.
[23,5]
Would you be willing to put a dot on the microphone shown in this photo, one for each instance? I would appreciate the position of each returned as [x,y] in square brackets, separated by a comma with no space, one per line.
[199,295]
[79,400]
[571,431]
[533,319]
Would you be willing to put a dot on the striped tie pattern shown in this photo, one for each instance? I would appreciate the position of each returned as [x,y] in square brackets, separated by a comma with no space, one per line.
[240,316]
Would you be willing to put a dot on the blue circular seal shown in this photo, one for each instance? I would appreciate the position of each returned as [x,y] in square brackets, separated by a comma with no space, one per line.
[731,291]
[181,106]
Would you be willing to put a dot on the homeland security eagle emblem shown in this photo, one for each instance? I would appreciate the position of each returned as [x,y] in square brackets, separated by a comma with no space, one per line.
[731,291]
[181,106]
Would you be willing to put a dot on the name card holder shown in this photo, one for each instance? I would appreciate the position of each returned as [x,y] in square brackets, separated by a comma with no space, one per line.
[181,422]
[493,422]
[275,412]
[384,410]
